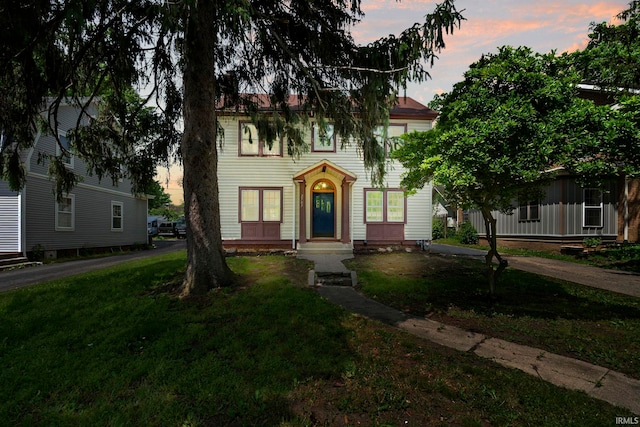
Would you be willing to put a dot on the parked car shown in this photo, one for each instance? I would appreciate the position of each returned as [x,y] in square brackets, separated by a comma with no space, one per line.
[152,226]
[181,229]
[167,228]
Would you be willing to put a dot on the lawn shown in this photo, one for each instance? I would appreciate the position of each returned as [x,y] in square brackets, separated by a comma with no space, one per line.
[615,257]
[593,325]
[115,347]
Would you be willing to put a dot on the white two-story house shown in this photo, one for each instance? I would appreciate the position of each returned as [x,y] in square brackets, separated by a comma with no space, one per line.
[322,201]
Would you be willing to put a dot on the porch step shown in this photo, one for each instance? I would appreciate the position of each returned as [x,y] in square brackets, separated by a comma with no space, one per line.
[16,262]
[334,279]
[313,248]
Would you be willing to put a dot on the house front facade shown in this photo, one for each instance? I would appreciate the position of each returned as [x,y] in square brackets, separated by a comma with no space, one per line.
[95,214]
[322,200]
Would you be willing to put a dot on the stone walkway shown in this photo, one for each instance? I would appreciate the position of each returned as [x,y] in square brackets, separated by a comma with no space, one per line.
[598,382]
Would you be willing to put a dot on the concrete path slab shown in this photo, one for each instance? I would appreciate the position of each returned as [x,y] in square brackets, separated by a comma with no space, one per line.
[446,335]
[553,368]
[618,389]
[347,297]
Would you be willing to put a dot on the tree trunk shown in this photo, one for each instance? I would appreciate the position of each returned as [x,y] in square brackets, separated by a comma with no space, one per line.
[492,275]
[206,264]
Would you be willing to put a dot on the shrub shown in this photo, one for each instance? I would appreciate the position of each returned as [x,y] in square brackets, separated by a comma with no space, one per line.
[438,229]
[467,234]
[591,242]
[37,253]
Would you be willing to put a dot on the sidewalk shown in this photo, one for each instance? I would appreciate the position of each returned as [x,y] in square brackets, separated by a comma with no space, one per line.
[598,382]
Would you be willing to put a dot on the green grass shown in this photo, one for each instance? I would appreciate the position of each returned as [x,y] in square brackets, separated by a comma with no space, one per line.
[597,326]
[113,348]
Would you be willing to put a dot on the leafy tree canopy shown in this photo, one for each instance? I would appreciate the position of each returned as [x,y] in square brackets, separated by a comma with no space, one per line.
[160,197]
[500,133]
[611,60]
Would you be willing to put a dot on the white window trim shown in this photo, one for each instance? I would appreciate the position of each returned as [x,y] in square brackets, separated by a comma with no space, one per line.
[262,146]
[316,140]
[261,204]
[71,162]
[379,133]
[385,206]
[121,229]
[73,214]
[592,207]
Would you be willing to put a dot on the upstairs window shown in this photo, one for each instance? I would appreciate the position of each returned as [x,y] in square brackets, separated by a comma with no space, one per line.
[592,207]
[323,141]
[390,139]
[251,145]
[64,152]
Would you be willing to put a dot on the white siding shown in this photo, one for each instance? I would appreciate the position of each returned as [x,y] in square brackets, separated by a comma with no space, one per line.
[235,171]
[9,223]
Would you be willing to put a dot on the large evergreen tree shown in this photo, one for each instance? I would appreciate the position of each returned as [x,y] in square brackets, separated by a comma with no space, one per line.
[196,54]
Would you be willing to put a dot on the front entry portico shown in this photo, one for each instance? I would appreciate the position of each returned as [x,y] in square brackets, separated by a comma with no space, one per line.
[324,191]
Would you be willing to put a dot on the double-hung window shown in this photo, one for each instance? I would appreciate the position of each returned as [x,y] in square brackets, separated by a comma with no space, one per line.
[323,140]
[117,216]
[592,208]
[390,136]
[65,213]
[260,213]
[529,211]
[65,151]
[385,206]
[251,145]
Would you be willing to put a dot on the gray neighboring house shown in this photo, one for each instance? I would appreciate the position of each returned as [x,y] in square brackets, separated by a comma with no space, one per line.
[569,213]
[566,214]
[95,214]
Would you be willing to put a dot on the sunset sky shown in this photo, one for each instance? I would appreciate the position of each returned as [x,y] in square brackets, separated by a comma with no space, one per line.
[543,25]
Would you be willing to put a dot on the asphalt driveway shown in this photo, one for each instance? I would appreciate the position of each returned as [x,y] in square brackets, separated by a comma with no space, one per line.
[18,278]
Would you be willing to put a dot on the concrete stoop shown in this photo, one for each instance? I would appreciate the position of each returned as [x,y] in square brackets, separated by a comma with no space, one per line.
[345,278]
[325,248]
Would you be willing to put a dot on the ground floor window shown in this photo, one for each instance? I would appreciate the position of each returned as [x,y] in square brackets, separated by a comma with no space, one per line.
[260,213]
[65,213]
[116,216]
[383,206]
[529,211]
[592,207]
[385,214]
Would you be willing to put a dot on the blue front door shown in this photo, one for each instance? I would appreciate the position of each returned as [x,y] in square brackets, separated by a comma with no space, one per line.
[323,215]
